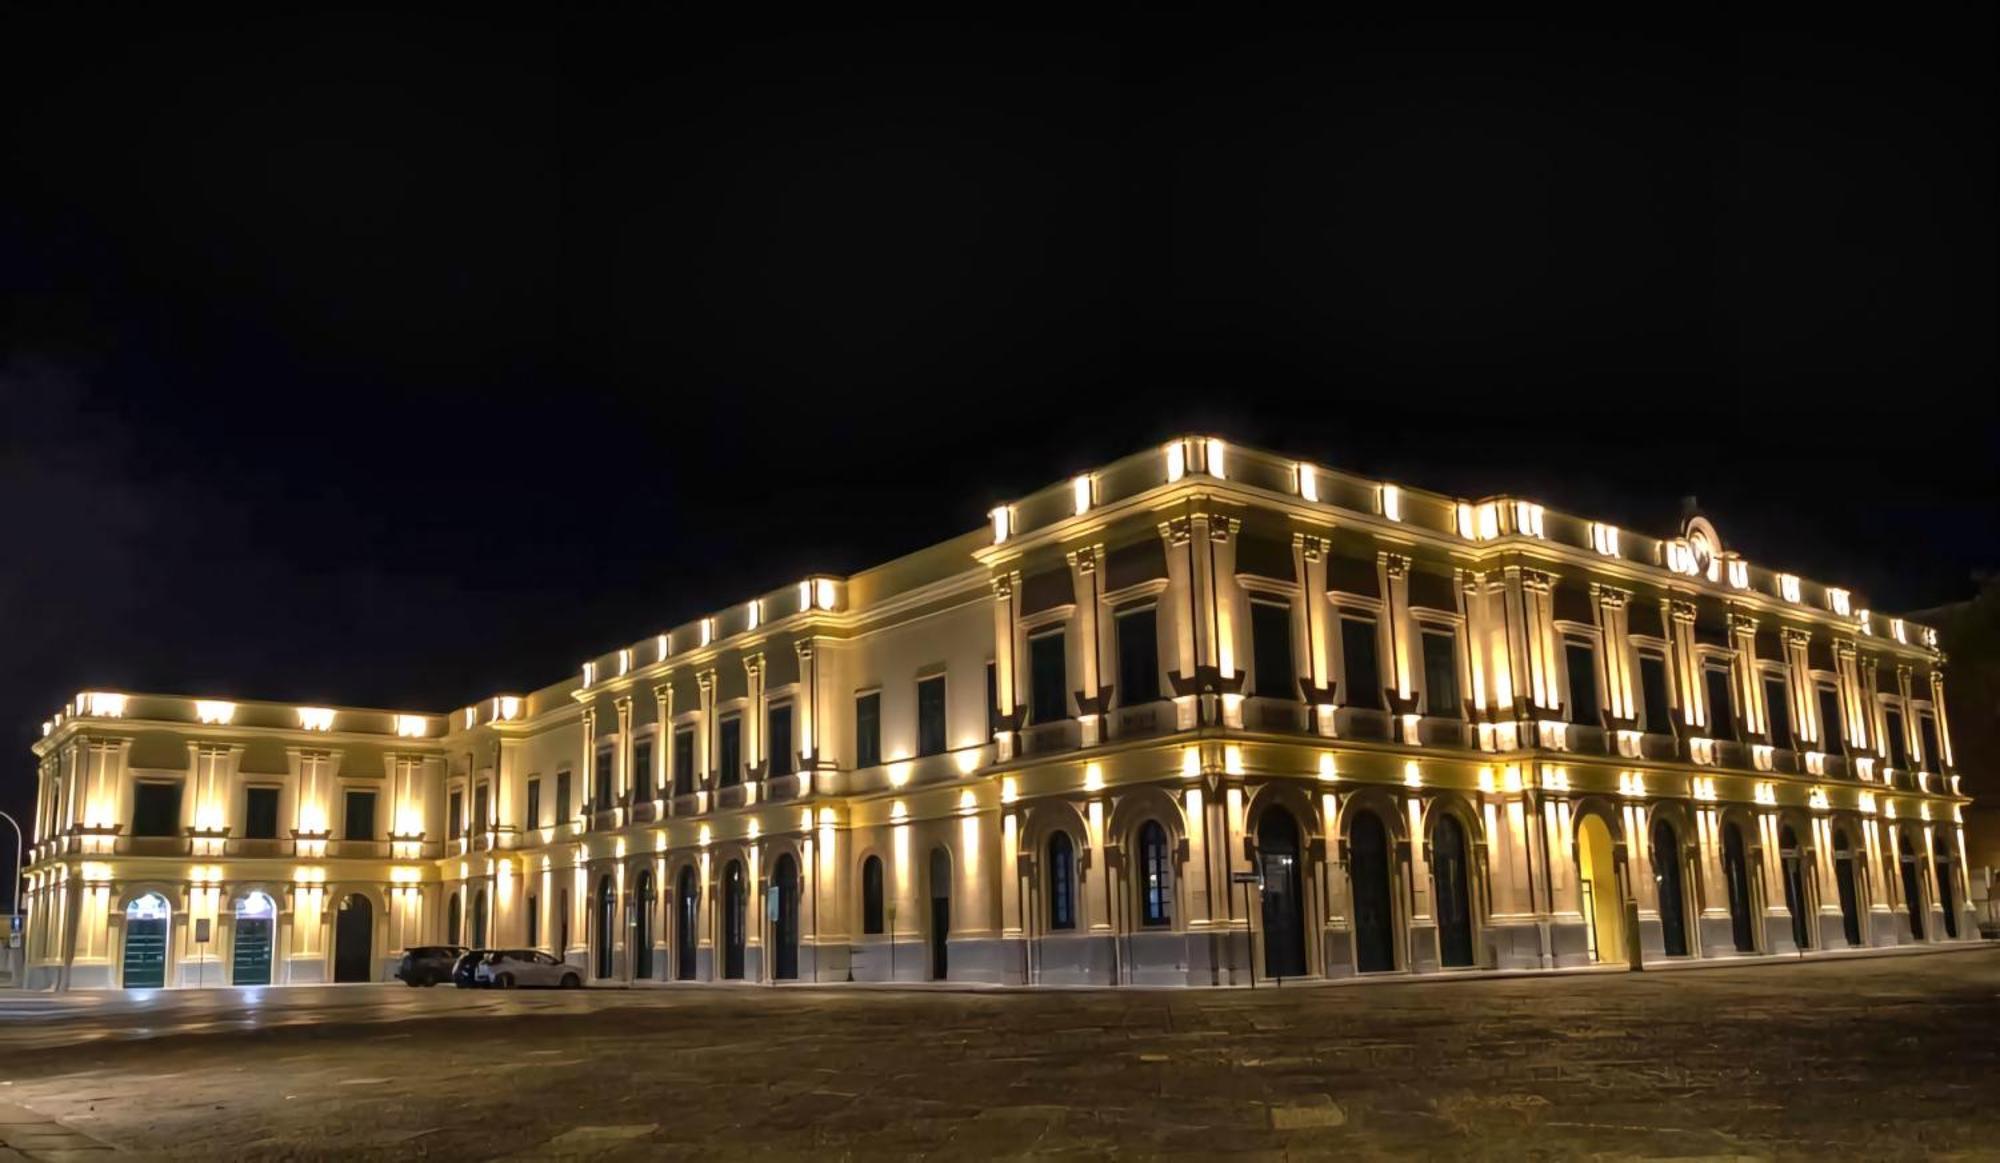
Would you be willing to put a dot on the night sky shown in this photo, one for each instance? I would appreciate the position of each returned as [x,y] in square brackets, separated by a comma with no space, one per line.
[396,361]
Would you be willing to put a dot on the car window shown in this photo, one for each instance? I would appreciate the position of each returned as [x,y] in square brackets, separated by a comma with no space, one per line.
[547,959]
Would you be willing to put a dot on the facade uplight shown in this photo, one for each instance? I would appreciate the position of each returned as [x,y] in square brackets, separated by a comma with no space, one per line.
[1839,601]
[1308,481]
[1391,499]
[1083,492]
[1604,538]
[214,712]
[1003,523]
[316,718]
[1739,574]
[412,726]
[1788,586]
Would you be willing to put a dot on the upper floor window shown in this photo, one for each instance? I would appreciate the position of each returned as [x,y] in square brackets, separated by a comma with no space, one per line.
[1138,656]
[1155,875]
[260,813]
[1721,703]
[868,729]
[1062,882]
[729,751]
[930,715]
[1830,732]
[1271,650]
[1580,658]
[1778,711]
[601,790]
[684,761]
[1653,694]
[642,770]
[1441,670]
[562,797]
[1360,677]
[481,820]
[1899,744]
[454,824]
[1048,676]
[1933,754]
[533,818]
[778,738]
[156,809]
[871,895]
[360,816]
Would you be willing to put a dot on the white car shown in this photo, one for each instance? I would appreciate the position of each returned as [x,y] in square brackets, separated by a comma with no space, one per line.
[507,968]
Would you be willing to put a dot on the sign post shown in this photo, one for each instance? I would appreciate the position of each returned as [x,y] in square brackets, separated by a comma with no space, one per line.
[201,929]
[1246,879]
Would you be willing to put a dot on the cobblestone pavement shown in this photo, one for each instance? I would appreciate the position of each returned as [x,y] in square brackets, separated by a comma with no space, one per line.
[1883,1057]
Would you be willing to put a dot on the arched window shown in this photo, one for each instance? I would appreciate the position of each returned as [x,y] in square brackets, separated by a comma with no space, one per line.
[871,895]
[1156,883]
[1062,882]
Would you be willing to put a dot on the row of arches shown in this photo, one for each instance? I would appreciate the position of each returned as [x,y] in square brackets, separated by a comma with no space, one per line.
[146,958]
[733,923]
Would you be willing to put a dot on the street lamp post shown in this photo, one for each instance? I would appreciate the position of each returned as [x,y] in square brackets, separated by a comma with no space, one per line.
[18,845]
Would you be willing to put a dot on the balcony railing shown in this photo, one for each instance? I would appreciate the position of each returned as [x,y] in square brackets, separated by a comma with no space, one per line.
[1279,715]
[1047,738]
[1141,719]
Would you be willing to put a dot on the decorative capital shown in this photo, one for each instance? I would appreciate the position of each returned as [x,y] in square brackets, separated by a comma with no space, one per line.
[1083,559]
[1793,636]
[1175,532]
[804,648]
[1003,587]
[1309,546]
[1680,611]
[1540,581]
[1611,597]
[1742,623]
[1220,528]
[705,679]
[1395,564]
[753,664]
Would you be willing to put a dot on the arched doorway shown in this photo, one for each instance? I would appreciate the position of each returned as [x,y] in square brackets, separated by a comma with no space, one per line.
[454,921]
[735,894]
[1603,901]
[1454,893]
[147,920]
[642,926]
[1913,883]
[940,912]
[1284,897]
[785,930]
[1368,875]
[1736,872]
[687,915]
[250,943]
[606,910]
[1792,862]
[1667,886]
[479,919]
[1847,880]
[1941,857]
[354,939]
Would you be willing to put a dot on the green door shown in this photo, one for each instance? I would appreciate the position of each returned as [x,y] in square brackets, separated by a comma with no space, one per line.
[146,943]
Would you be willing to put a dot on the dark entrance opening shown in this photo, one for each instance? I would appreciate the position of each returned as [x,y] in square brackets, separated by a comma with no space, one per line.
[1368,873]
[1667,884]
[1792,861]
[940,912]
[146,922]
[785,930]
[687,915]
[354,940]
[1737,873]
[606,916]
[479,920]
[1284,897]
[1454,893]
[1942,857]
[734,903]
[1913,884]
[454,920]
[1850,889]
[642,927]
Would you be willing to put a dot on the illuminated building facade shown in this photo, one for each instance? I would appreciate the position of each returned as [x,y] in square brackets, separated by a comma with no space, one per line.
[1203,715]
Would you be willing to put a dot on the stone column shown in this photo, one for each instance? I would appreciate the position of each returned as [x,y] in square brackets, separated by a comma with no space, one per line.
[1088,638]
[663,740]
[1180,602]
[1743,634]
[704,730]
[753,712]
[1006,677]
[1315,664]
[621,763]
[1687,667]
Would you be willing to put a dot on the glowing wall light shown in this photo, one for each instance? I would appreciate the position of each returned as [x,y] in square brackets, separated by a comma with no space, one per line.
[1412,775]
[102,704]
[707,631]
[754,613]
[1082,492]
[1327,772]
[1093,777]
[589,674]
[1839,601]
[1739,574]
[1232,759]
[214,712]
[506,707]
[1788,586]
[1212,450]
[1604,538]
[1898,631]
[823,593]
[1864,621]
[1176,453]
[1390,498]
[412,726]
[1307,480]
[1528,518]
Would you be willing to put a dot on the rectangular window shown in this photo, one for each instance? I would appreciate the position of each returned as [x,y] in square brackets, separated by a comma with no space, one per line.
[1778,710]
[454,822]
[1271,651]
[1581,660]
[601,787]
[642,770]
[260,813]
[1441,671]
[729,751]
[1899,744]
[562,797]
[1831,731]
[1361,678]
[480,820]
[684,761]
[156,809]
[533,819]
[868,729]
[1653,691]
[778,738]
[1721,708]
[360,816]
[1933,754]
[930,715]
[992,698]
[1138,656]
[1048,675]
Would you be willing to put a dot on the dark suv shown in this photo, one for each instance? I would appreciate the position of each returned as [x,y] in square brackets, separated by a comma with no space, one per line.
[428,964]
